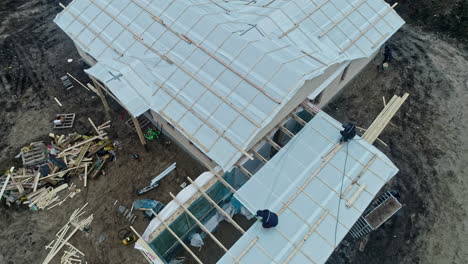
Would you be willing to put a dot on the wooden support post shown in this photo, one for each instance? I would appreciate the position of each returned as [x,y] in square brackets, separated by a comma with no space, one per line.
[208,232]
[139,132]
[101,94]
[207,197]
[175,235]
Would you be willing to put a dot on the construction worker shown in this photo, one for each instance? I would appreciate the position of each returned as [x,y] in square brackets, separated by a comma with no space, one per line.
[388,56]
[348,132]
[268,218]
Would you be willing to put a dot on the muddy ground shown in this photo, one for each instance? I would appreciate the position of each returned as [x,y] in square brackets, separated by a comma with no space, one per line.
[427,142]
[33,57]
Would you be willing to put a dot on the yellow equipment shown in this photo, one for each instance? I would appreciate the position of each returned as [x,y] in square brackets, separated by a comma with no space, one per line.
[127,236]
[129,239]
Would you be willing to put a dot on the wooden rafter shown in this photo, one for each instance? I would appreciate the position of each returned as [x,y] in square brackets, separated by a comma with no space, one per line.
[168,59]
[207,197]
[168,228]
[368,28]
[296,25]
[190,41]
[203,227]
[205,121]
[146,246]
[343,18]
[309,180]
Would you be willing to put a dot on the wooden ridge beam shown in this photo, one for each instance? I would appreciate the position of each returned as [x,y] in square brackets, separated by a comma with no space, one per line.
[138,130]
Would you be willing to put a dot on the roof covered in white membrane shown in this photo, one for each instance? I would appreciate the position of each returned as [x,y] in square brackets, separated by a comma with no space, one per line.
[217,70]
[306,229]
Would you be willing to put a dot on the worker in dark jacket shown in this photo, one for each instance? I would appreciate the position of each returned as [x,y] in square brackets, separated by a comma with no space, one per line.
[348,132]
[268,218]
[388,56]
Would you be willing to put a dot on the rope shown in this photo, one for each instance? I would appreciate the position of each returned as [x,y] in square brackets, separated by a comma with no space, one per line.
[341,191]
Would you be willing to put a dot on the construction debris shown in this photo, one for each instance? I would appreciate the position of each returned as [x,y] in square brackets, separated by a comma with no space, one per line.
[66,82]
[125,212]
[155,181]
[41,181]
[71,255]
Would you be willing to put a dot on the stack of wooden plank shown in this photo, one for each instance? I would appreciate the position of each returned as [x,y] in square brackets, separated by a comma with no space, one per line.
[75,223]
[384,118]
[44,197]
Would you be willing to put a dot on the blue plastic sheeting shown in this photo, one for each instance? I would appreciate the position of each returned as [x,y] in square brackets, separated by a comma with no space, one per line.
[280,179]
[227,88]
[148,204]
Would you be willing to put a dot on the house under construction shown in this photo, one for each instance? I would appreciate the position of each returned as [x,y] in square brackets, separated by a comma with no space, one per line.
[239,85]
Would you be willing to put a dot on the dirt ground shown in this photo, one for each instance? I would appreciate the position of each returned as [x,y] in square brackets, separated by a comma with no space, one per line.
[33,57]
[427,142]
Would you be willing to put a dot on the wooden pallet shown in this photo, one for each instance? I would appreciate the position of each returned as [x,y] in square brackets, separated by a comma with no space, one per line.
[68,123]
[144,122]
[66,82]
[34,154]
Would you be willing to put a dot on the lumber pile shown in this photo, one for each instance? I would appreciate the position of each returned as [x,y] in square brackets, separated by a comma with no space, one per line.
[384,118]
[46,166]
[71,255]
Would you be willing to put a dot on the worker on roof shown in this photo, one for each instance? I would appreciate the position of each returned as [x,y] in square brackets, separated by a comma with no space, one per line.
[348,132]
[268,218]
